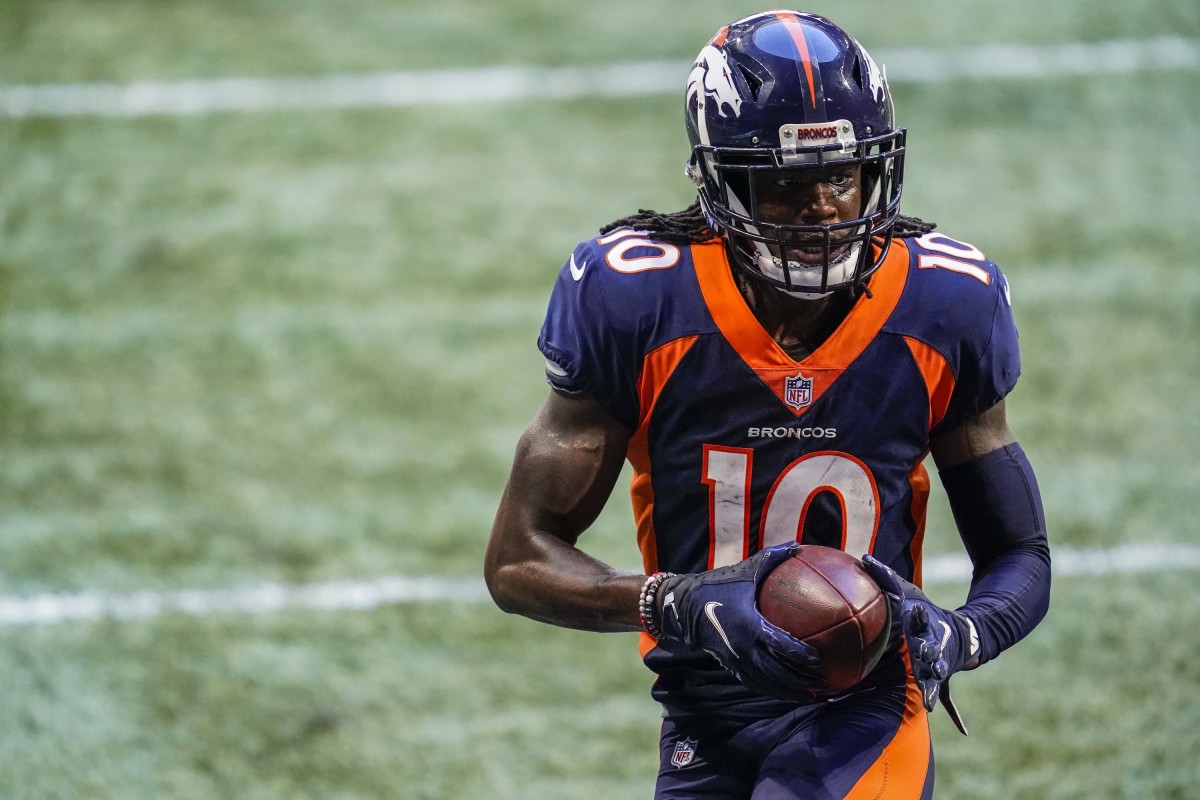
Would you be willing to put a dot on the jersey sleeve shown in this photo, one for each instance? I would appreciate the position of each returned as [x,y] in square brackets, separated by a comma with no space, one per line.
[585,351]
[990,359]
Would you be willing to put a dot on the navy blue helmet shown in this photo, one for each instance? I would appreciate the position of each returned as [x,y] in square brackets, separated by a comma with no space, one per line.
[786,91]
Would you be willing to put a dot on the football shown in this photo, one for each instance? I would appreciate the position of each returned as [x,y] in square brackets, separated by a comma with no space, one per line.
[824,598]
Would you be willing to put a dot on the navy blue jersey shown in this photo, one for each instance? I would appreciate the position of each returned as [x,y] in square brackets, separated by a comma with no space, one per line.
[735,445]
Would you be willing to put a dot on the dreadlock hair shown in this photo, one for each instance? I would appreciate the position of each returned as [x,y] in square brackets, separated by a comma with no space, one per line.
[911,226]
[690,226]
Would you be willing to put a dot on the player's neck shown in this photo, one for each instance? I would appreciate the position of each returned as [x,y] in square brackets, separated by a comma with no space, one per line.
[800,326]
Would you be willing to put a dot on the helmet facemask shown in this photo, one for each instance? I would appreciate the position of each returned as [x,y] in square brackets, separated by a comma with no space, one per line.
[807,261]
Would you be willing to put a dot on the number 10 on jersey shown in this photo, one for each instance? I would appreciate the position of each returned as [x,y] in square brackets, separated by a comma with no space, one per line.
[727,473]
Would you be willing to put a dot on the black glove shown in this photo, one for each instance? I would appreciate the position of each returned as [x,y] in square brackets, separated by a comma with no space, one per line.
[940,642]
[715,611]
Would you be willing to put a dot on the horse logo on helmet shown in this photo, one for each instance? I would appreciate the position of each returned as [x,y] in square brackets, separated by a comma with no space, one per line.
[712,76]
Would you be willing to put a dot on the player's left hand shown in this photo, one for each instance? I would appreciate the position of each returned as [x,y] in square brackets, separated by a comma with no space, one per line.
[940,642]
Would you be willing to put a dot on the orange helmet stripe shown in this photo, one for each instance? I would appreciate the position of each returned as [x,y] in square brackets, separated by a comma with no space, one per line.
[795,29]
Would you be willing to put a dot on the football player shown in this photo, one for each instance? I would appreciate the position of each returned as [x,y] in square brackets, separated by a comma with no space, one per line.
[776,362]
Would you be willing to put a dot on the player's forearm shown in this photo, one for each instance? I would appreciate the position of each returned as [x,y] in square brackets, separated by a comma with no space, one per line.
[557,583]
[1009,598]
[998,508]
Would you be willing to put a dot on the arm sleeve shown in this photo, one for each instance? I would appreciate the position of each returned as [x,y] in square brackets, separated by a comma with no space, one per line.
[998,510]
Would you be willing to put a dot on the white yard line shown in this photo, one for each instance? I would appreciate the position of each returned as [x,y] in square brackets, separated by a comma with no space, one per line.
[1130,558]
[263,598]
[457,87]
[361,595]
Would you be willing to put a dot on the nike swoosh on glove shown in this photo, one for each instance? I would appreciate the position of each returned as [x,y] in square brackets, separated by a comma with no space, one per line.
[939,640]
[715,611]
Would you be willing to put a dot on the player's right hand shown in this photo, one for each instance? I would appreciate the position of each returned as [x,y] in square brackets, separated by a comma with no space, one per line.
[715,611]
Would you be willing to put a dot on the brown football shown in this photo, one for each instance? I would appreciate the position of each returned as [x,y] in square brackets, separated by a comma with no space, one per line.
[825,598]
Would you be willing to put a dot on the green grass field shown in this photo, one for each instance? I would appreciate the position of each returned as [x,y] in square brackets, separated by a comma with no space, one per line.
[299,347]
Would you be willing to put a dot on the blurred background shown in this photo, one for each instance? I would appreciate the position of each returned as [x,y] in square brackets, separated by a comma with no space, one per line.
[271,274]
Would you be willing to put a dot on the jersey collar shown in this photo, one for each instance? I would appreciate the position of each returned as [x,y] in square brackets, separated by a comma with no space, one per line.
[764,355]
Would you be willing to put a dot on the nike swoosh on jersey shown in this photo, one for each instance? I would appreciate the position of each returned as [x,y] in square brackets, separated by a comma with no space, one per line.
[710,611]
[577,271]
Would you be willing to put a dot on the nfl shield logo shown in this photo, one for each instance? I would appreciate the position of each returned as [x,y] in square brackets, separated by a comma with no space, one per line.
[797,391]
[684,754]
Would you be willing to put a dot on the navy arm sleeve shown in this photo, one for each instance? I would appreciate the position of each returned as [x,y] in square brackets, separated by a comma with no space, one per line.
[998,510]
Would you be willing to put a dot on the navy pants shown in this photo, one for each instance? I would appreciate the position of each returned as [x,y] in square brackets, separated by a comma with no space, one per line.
[872,743]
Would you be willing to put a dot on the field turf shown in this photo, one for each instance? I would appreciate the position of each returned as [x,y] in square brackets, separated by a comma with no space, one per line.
[299,347]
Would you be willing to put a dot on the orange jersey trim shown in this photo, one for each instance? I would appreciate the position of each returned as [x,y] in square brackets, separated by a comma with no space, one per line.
[657,367]
[939,378]
[918,480]
[939,386]
[764,355]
